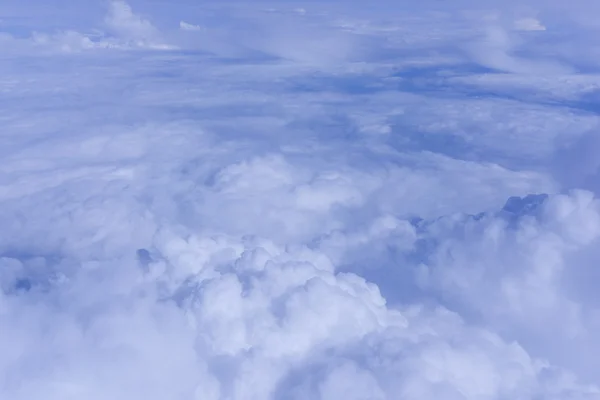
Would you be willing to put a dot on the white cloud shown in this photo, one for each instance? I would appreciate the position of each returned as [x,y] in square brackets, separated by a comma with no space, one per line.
[516,271]
[122,20]
[252,330]
[296,205]
[125,30]
[189,27]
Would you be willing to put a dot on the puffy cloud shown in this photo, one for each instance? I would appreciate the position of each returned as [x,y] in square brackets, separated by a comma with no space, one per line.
[125,29]
[124,23]
[292,204]
[281,324]
[518,270]
[189,27]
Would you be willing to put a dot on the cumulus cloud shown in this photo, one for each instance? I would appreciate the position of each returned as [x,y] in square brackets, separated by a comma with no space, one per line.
[521,271]
[124,29]
[122,21]
[189,27]
[250,320]
[308,203]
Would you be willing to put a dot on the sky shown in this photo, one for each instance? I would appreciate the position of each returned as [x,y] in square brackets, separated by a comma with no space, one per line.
[245,200]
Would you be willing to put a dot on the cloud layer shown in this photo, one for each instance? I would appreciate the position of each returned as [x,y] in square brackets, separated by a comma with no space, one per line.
[283,201]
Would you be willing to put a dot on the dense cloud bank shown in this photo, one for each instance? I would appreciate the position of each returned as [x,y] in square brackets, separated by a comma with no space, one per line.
[329,200]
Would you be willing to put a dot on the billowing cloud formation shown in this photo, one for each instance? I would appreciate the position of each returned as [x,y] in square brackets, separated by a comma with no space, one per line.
[218,317]
[275,202]
[120,29]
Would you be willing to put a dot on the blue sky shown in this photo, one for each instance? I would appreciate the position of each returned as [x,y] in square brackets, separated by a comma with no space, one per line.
[299,200]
